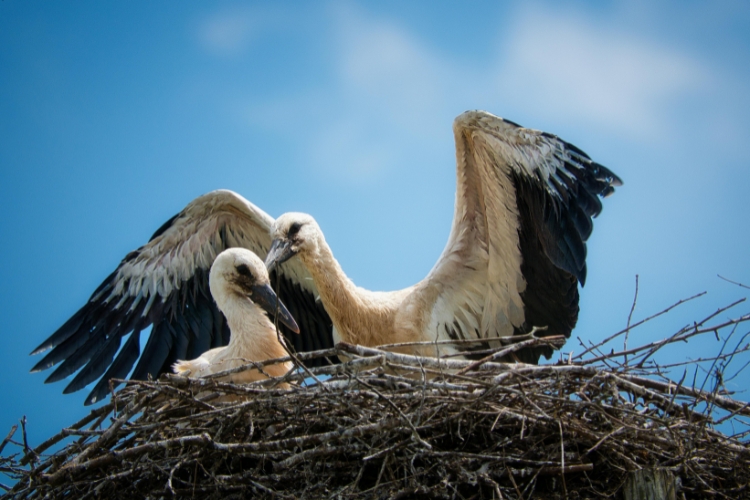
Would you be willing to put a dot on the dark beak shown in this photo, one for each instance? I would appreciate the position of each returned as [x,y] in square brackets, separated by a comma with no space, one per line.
[264,296]
[280,252]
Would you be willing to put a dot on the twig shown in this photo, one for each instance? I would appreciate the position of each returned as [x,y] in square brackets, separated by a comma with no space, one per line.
[733,282]
[8,437]
[28,451]
[630,317]
[637,324]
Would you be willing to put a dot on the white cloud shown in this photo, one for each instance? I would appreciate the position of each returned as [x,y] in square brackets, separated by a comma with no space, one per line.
[342,148]
[229,32]
[391,92]
[386,93]
[398,75]
[557,64]
[565,64]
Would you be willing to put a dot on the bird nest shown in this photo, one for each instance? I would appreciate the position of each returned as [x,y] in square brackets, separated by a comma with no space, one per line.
[388,425]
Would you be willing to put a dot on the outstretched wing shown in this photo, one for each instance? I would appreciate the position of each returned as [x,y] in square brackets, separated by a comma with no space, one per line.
[164,284]
[517,251]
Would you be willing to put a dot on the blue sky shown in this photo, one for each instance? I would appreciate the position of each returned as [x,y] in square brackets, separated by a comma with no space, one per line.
[114,115]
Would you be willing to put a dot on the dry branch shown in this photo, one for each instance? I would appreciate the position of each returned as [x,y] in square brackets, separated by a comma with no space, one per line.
[386,424]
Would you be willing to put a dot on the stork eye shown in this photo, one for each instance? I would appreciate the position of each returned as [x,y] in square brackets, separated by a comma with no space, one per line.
[293,230]
[244,270]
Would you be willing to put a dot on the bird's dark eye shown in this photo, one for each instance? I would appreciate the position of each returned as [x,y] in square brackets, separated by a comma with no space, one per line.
[293,230]
[244,270]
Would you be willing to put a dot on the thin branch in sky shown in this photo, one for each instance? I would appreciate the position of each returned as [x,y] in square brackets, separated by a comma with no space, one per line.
[733,282]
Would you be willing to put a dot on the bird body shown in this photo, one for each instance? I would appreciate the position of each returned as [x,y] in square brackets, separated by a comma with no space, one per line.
[240,286]
[514,257]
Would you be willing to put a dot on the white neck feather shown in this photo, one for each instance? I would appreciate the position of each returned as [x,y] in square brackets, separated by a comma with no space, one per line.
[253,335]
[360,316]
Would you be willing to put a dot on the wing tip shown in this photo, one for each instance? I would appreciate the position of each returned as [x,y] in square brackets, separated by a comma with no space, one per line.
[43,364]
[614,179]
[99,392]
[70,390]
[602,173]
[56,376]
[44,346]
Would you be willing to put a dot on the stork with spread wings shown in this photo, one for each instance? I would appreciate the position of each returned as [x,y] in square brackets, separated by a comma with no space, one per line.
[514,258]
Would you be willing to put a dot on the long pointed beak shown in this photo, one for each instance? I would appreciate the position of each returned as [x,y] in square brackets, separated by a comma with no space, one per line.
[280,252]
[264,296]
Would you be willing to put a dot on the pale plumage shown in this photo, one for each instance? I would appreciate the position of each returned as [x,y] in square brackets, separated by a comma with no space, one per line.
[164,285]
[240,286]
[514,258]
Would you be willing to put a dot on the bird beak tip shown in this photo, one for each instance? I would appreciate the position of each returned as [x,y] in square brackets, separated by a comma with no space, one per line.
[279,253]
[266,298]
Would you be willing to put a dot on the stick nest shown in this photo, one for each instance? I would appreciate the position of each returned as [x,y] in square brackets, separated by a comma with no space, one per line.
[389,425]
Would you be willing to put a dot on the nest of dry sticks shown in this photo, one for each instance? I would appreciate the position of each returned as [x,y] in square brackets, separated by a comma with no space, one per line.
[389,425]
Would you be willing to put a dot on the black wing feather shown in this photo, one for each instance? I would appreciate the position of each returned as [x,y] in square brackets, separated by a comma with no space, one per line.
[119,369]
[311,316]
[61,335]
[96,366]
[158,346]
[551,295]
[553,231]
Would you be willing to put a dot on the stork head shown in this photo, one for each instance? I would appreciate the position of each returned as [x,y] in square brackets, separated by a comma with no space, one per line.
[239,272]
[292,233]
